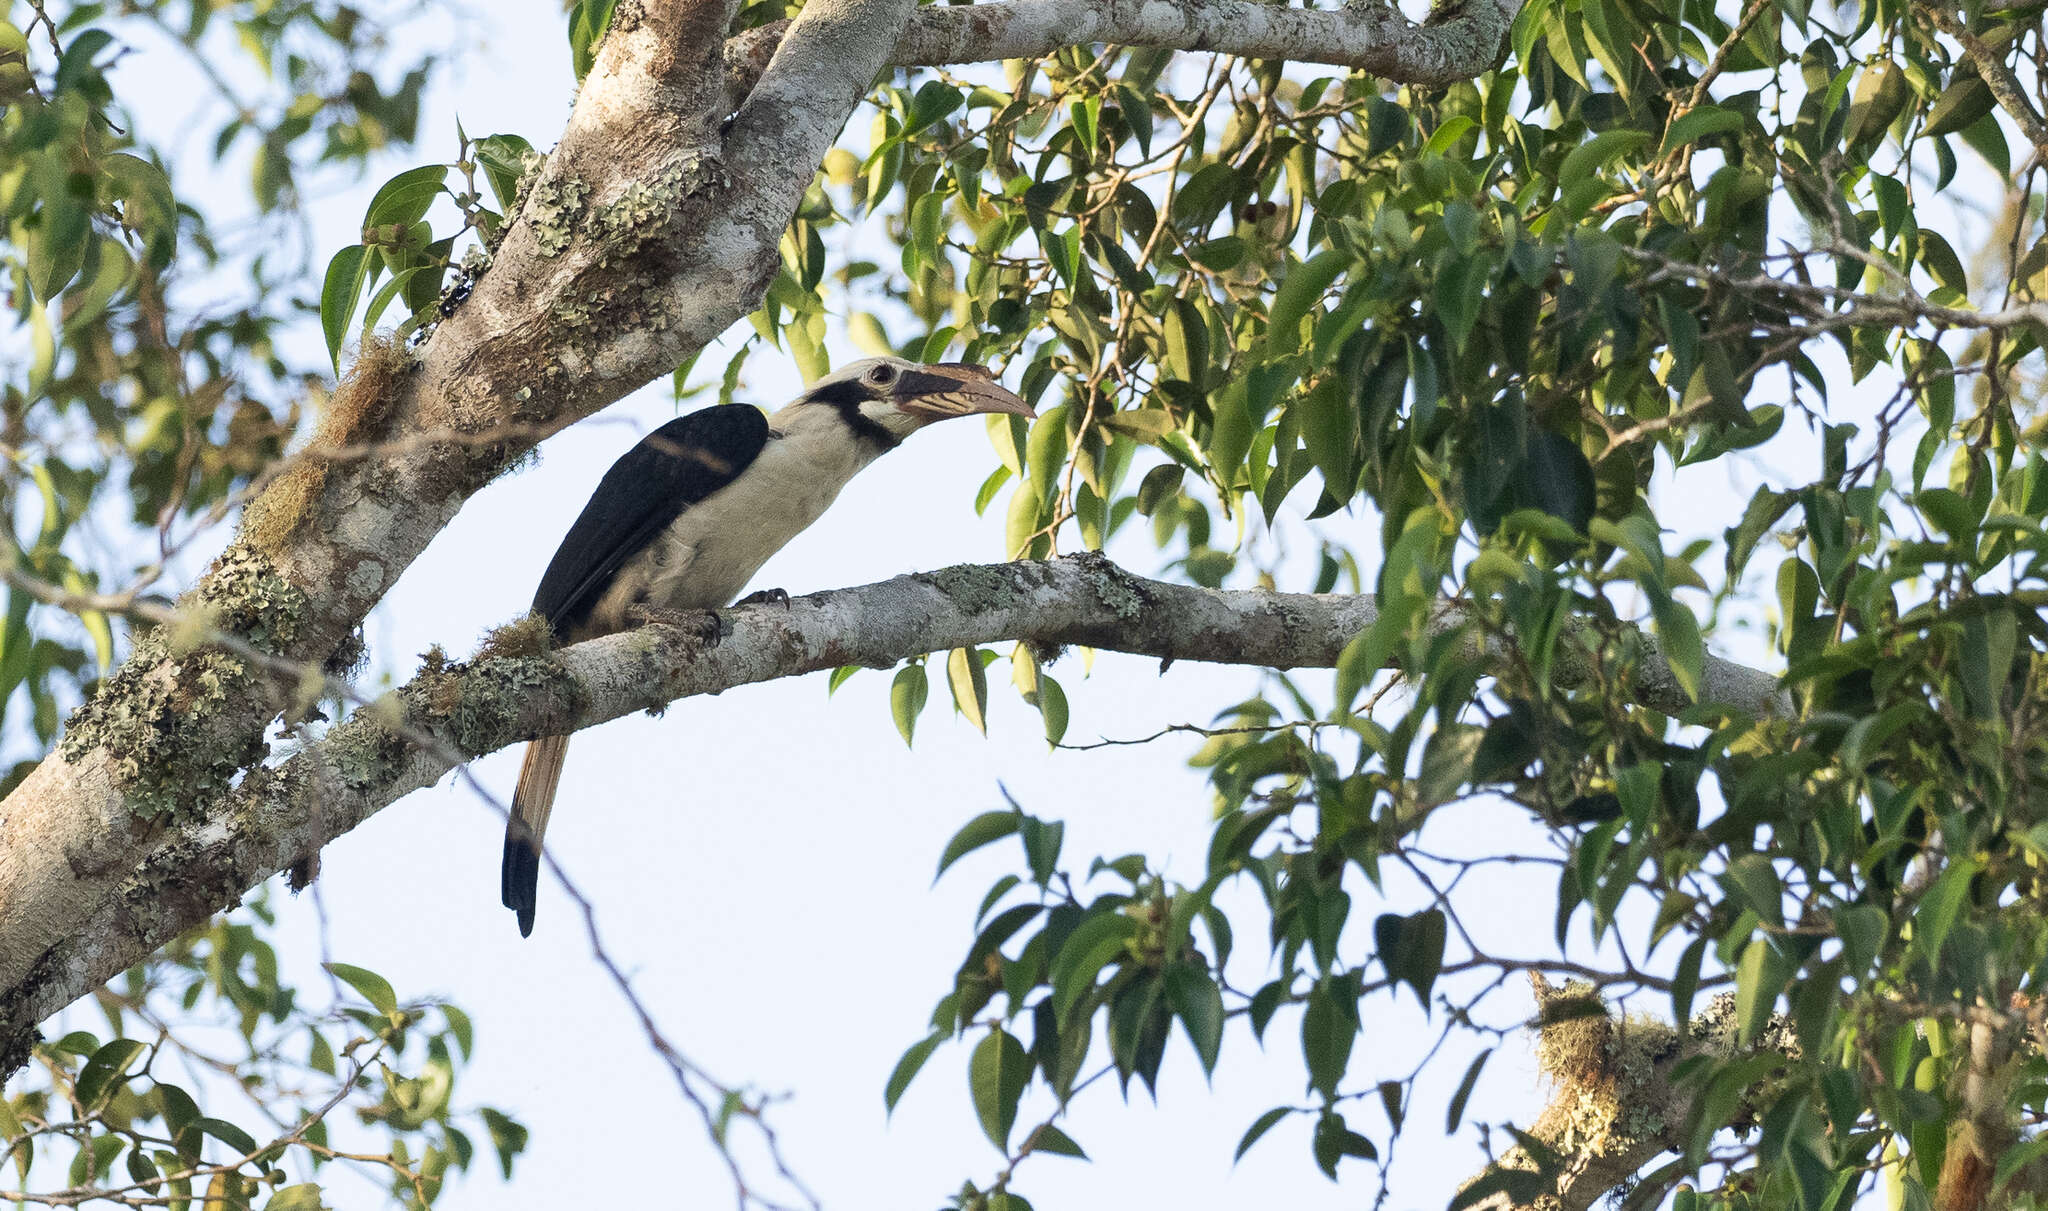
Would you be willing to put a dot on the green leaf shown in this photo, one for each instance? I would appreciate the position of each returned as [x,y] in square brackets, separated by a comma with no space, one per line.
[460,1029]
[1260,1127]
[373,987]
[1989,641]
[2018,1157]
[968,679]
[1685,982]
[1186,355]
[504,159]
[997,890]
[1219,255]
[1095,942]
[1697,124]
[1334,1141]
[1863,930]
[996,1076]
[142,1167]
[179,1113]
[1137,111]
[1412,947]
[10,1140]
[1578,175]
[1085,114]
[1052,710]
[304,1196]
[1052,1141]
[1765,510]
[1881,93]
[1445,136]
[1230,437]
[389,293]
[989,487]
[404,199]
[984,829]
[339,294]
[1021,533]
[1195,997]
[1460,290]
[1760,976]
[934,100]
[1408,581]
[907,694]
[1752,883]
[1556,477]
[103,1071]
[57,244]
[907,1068]
[1939,258]
[1950,511]
[1041,847]
[1148,425]
[1456,1113]
[1329,1027]
[1937,912]
[1045,451]
[1302,288]
[1329,433]
[1966,99]
[508,1137]
[589,21]
[227,1133]
[1678,637]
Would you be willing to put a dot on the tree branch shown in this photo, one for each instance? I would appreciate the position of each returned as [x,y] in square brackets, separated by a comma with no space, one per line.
[2005,87]
[202,864]
[1457,42]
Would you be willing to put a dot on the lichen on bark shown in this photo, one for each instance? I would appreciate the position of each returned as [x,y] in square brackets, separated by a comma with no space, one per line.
[157,716]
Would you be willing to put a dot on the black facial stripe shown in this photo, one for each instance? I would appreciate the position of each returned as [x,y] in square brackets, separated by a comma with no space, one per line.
[866,427]
[850,392]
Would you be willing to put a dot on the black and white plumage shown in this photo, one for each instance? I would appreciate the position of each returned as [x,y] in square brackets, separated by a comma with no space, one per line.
[684,519]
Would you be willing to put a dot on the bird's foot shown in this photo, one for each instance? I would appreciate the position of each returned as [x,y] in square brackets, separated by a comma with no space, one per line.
[766,597]
[700,625]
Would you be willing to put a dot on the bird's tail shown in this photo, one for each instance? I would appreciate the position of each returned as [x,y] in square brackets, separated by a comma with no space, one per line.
[519,880]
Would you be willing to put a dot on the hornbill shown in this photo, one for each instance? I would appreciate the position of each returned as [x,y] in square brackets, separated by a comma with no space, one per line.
[685,519]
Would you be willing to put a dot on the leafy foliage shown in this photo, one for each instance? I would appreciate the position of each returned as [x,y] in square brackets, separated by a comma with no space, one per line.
[150,389]
[108,1115]
[1493,314]
[1245,296]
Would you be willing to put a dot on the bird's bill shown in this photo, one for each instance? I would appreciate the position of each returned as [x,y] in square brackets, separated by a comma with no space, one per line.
[935,392]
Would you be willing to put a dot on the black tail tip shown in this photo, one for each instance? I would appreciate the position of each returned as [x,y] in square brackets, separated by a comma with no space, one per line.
[519,881]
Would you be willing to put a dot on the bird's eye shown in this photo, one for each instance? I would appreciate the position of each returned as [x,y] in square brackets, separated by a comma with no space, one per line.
[882,375]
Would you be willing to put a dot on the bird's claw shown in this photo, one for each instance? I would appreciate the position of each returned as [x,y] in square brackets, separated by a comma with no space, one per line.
[766,597]
[703,626]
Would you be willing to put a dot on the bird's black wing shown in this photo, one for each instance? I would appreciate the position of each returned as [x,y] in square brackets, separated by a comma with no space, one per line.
[671,469]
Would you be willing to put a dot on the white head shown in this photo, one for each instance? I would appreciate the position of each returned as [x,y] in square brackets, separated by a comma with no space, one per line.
[886,399]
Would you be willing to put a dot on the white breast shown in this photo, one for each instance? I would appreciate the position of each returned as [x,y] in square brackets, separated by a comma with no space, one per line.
[710,552]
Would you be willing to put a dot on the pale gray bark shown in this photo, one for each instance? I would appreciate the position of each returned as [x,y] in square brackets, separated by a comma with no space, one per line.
[417,734]
[1457,42]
